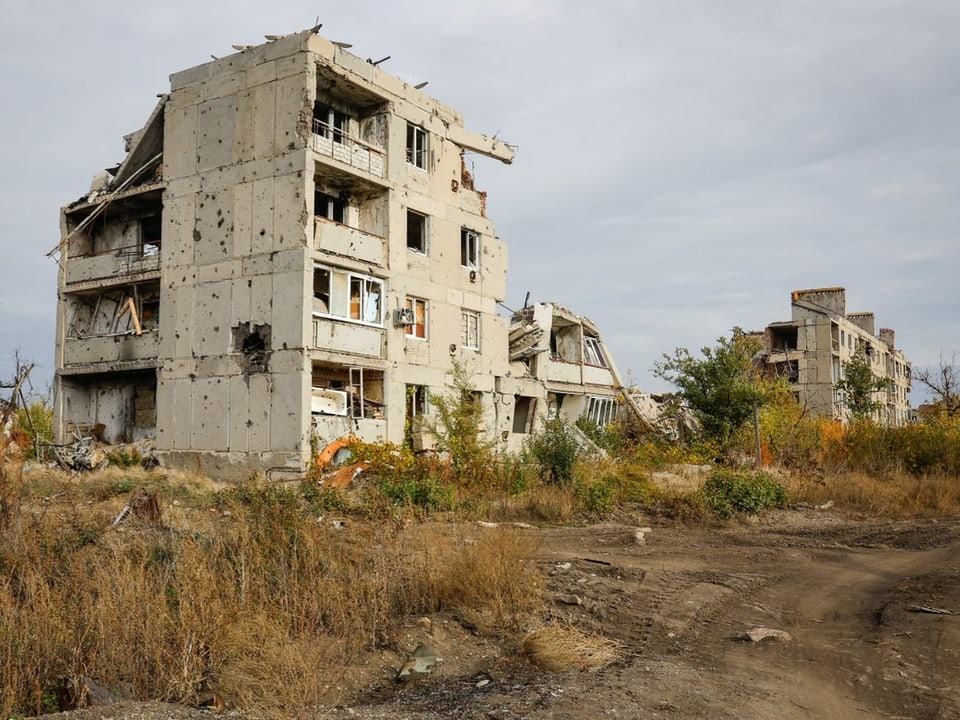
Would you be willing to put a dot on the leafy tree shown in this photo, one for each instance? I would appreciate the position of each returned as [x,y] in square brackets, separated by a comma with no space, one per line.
[722,386]
[457,424]
[858,385]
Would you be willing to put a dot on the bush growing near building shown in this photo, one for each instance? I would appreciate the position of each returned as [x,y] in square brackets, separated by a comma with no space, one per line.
[554,451]
[727,492]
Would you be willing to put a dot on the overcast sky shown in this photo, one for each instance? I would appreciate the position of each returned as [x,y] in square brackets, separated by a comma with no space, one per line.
[682,165]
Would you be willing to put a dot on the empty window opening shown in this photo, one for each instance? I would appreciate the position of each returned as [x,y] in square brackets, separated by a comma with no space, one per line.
[785,338]
[469,249]
[601,411]
[524,411]
[470,329]
[329,123]
[347,295]
[417,232]
[150,230]
[565,343]
[592,353]
[419,327]
[416,146]
[328,206]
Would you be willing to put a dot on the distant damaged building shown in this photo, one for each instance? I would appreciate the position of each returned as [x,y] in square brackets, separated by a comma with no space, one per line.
[293,251]
[812,348]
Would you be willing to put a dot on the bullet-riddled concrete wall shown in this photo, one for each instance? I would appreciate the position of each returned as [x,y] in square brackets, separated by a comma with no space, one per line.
[234,380]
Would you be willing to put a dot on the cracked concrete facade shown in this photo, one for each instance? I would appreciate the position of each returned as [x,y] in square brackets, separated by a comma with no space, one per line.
[812,347]
[293,247]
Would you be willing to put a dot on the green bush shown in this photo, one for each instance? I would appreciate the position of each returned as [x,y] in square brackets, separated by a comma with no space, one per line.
[728,492]
[554,451]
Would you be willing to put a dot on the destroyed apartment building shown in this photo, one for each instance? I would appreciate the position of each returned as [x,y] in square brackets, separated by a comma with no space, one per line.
[813,347]
[291,252]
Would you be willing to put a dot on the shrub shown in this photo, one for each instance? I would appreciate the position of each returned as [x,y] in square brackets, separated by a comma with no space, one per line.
[728,492]
[554,450]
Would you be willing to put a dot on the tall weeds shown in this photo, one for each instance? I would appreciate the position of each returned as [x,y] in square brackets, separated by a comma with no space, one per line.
[259,600]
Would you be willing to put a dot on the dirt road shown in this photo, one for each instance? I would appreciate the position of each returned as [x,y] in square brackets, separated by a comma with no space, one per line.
[872,611]
[856,598]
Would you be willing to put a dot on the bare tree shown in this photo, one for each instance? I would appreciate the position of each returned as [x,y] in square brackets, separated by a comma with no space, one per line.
[943,381]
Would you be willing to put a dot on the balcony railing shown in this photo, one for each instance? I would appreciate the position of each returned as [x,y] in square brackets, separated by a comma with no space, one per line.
[336,144]
[114,264]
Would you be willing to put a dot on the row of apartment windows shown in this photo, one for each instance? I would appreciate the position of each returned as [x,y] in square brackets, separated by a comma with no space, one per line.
[347,295]
[417,236]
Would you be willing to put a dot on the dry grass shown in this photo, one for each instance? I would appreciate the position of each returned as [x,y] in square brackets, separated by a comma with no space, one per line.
[899,496]
[561,648]
[250,594]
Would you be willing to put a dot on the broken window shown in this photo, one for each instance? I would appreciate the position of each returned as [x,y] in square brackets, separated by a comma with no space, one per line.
[417,146]
[419,327]
[347,295]
[601,411]
[469,249]
[347,391]
[417,232]
[328,206]
[565,342]
[470,329]
[119,312]
[524,411]
[592,354]
[150,229]
[329,123]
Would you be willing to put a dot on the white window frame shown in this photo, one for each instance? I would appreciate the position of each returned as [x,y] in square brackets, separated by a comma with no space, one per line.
[418,146]
[424,234]
[334,126]
[592,352]
[470,321]
[600,410]
[469,248]
[340,309]
[412,303]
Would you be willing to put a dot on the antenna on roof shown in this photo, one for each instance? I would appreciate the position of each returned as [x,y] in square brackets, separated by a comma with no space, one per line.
[316,25]
[377,62]
[526,300]
[421,85]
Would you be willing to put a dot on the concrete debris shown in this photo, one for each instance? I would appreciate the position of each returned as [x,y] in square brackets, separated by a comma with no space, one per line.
[419,665]
[87,453]
[760,634]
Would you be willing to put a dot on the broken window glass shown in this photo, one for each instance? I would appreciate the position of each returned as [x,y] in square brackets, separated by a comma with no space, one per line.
[469,249]
[600,410]
[416,146]
[328,206]
[329,123]
[592,354]
[347,295]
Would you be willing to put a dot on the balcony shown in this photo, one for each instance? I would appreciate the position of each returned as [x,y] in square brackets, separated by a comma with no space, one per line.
[115,351]
[346,241]
[334,143]
[120,265]
[347,337]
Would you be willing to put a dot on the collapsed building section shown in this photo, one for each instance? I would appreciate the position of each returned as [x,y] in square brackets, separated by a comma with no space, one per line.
[812,349]
[292,251]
